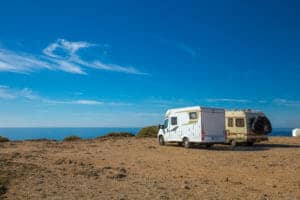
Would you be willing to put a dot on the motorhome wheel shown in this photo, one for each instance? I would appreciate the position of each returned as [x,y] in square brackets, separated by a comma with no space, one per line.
[161,140]
[233,143]
[250,143]
[186,143]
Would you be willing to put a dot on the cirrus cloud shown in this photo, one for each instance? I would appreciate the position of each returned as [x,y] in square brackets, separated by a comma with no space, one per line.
[69,47]
[8,93]
[62,55]
[229,100]
[287,102]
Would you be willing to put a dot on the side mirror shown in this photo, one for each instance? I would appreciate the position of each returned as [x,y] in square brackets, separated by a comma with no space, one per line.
[161,126]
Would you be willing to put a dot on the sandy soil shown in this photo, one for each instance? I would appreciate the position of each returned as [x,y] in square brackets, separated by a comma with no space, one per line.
[130,168]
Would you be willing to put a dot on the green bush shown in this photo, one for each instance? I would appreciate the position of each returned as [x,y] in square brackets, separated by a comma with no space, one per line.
[3,139]
[117,134]
[149,131]
[41,140]
[72,138]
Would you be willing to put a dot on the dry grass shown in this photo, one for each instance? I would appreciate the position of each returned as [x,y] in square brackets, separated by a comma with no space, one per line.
[3,139]
[72,138]
[116,134]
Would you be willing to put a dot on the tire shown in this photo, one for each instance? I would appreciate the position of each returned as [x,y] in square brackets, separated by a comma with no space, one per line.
[208,145]
[186,143]
[261,125]
[250,143]
[233,143]
[161,140]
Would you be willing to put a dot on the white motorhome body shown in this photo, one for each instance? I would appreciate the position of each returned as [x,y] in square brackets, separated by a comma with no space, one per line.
[193,125]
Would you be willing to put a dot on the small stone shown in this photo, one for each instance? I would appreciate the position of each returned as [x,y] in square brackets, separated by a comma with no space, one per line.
[186,187]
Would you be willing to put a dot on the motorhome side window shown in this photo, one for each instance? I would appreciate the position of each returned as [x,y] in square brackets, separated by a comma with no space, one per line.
[174,120]
[239,122]
[230,122]
[193,115]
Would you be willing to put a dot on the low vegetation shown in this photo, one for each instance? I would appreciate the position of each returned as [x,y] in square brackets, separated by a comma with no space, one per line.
[3,139]
[3,177]
[149,131]
[72,138]
[41,140]
[117,134]
[3,185]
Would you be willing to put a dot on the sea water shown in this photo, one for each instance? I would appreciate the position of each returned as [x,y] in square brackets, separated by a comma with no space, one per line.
[59,133]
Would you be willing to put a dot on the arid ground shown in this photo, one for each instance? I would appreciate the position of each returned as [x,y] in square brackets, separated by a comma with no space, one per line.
[132,168]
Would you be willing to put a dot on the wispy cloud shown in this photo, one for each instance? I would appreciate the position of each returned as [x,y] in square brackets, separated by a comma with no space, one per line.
[21,63]
[62,55]
[78,102]
[274,102]
[182,46]
[7,93]
[117,68]
[286,102]
[262,101]
[187,49]
[69,47]
[166,102]
[229,100]
[71,62]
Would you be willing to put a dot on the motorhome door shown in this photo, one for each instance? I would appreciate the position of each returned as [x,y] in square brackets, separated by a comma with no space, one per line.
[173,129]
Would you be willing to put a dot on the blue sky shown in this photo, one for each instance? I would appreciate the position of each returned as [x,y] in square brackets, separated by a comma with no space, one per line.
[123,63]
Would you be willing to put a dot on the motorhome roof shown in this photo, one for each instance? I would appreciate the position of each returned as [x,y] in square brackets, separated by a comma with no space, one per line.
[235,113]
[243,111]
[192,108]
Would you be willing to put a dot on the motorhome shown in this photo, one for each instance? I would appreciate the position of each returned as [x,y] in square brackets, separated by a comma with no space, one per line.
[246,126]
[190,125]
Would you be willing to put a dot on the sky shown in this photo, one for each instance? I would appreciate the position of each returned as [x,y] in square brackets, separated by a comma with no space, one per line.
[124,63]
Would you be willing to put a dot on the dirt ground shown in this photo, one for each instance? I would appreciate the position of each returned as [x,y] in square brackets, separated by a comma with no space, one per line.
[131,168]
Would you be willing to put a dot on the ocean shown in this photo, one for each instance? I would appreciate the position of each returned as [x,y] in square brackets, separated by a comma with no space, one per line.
[60,133]
[282,132]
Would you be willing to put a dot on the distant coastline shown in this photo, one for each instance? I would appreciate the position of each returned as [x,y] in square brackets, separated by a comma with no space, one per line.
[61,132]
[87,132]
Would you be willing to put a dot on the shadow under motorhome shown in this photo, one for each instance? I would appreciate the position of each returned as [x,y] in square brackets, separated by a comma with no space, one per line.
[190,125]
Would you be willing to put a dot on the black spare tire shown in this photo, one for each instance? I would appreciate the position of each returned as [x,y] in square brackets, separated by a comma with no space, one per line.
[261,125]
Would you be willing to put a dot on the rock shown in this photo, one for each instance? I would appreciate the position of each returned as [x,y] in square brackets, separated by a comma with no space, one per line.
[59,162]
[163,197]
[123,170]
[119,176]
[264,197]
[186,187]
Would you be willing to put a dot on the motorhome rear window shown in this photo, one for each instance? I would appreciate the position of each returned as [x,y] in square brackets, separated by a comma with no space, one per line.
[193,115]
[230,122]
[239,122]
[174,120]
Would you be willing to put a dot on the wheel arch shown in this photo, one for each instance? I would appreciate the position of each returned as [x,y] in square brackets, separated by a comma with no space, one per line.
[183,137]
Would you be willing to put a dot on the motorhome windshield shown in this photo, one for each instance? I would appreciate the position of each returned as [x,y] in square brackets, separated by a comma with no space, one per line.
[166,123]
